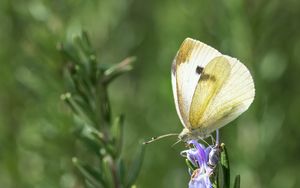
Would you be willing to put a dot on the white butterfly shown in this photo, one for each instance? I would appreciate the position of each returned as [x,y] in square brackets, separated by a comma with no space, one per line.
[210,89]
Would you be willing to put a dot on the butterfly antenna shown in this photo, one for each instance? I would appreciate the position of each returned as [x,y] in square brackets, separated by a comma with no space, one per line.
[160,137]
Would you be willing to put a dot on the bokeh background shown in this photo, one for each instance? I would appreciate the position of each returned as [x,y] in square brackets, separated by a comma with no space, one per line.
[36,139]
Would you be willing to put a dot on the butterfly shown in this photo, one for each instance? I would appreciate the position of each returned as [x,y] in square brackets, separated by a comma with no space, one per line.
[210,89]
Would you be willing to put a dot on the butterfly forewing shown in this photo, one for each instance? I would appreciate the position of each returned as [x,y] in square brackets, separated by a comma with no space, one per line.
[187,67]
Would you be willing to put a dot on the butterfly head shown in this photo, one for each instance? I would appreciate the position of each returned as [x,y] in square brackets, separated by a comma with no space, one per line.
[187,135]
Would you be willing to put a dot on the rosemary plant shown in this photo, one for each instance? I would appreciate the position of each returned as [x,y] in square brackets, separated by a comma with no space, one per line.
[87,83]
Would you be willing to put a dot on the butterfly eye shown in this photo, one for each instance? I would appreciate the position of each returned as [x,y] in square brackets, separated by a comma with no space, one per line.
[199,70]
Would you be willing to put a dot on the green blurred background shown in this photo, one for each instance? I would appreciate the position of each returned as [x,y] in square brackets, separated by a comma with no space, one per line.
[36,139]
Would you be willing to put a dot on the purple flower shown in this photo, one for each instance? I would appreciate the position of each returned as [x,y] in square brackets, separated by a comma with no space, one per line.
[204,159]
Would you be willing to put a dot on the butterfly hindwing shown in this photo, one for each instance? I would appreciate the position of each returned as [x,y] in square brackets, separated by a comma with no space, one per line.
[233,96]
[210,83]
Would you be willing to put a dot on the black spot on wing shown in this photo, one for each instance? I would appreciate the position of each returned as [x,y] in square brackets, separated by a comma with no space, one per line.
[199,70]
[206,77]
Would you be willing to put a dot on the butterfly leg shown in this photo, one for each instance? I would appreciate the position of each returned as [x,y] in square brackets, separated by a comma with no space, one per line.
[213,141]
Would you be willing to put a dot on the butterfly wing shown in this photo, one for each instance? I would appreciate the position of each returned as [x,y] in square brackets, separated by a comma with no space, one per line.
[219,101]
[191,58]
[211,81]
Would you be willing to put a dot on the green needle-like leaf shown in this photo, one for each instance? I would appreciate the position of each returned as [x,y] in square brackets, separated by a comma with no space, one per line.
[68,52]
[109,172]
[135,167]
[90,139]
[76,107]
[117,132]
[117,70]
[89,173]
[237,182]
[121,171]
[225,180]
